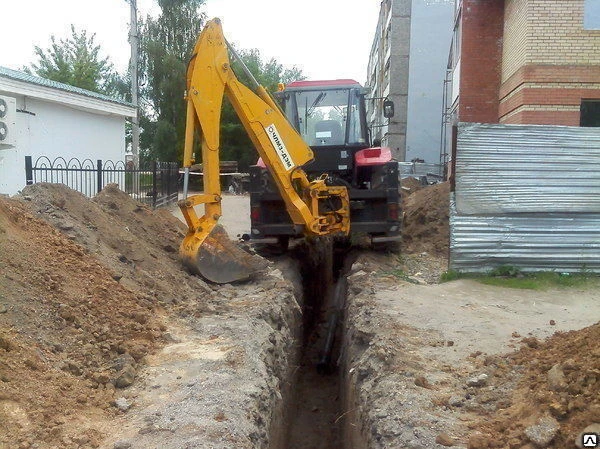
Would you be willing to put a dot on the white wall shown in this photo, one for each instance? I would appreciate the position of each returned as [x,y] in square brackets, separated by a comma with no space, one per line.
[58,130]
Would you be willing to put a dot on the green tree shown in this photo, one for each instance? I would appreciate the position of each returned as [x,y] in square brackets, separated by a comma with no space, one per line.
[166,46]
[167,43]
[77,61]
[235,143]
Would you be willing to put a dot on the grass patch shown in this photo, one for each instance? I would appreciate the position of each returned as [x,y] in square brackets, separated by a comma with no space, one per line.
[537,281]
[450,275]
[508,276]
[524,283]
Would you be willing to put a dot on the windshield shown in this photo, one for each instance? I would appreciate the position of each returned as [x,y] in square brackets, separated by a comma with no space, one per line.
[322,117]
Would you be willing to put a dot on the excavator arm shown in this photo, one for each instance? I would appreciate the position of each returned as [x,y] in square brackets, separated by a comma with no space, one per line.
[320,209]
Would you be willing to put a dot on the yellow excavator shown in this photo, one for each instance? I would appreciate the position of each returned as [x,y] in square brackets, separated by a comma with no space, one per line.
[320,209]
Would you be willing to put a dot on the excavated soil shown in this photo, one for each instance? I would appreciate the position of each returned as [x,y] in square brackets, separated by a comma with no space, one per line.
[102,332]
[558,392]
[429,366]
[139,244]
[106,342]
[426,220]
[69,333]
[410,185]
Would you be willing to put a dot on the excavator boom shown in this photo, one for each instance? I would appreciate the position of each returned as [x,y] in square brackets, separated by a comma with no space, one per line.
[319,208]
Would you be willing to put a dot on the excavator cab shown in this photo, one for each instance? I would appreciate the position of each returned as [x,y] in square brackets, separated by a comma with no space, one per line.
[330,117]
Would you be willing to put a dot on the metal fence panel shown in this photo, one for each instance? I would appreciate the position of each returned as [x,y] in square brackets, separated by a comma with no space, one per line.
[419,169]
[154,183]
[527,169]
[527,196]
[532,242]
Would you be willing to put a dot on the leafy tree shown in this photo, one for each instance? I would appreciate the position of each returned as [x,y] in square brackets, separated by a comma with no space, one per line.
[235,143]
[166,46]
[167,43]
[77,61]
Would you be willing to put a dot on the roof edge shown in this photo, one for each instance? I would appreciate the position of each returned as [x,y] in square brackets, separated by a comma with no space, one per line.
[39,81]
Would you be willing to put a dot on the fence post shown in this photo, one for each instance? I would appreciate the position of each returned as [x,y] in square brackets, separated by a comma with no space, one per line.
[154,191]
[99,175]
[167,180]
[28,171]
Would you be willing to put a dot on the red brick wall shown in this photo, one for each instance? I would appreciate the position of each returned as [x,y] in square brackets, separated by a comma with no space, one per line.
[482,24]
[548,94]
[543,117]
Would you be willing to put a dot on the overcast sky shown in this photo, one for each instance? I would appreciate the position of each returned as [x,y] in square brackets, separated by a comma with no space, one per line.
[326,38]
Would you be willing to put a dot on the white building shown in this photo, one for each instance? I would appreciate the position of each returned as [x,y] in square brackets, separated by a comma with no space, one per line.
[387,75]
[46,118]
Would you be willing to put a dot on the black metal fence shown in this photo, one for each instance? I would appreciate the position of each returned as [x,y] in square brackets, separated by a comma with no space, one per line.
[154,183]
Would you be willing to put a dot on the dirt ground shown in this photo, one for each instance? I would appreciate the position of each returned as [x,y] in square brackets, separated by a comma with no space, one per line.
[99,321]
[106,342]
[461,363]
[417,350]
[425,218]
[69,331]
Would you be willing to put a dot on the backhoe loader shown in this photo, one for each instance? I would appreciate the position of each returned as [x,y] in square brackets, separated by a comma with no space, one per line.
[319,209]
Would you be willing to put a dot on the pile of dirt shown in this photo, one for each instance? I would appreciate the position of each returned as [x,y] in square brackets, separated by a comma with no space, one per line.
[138,243]
[555,399]
[70,334]
[410,185]
[88,289]
[425,226]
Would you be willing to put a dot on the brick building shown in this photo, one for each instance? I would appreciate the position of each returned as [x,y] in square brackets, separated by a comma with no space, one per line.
[525,62]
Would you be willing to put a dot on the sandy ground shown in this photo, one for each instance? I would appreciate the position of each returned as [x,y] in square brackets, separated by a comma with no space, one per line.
[236,214]
[413,348]
[478,317]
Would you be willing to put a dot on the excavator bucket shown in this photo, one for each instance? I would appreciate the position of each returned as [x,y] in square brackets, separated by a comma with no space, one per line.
[220,260]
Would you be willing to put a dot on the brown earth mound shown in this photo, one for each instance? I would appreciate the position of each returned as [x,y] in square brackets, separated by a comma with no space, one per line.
[410,186]
[556,398]
[85,284]
[426,220]
[139,244]
[69,333]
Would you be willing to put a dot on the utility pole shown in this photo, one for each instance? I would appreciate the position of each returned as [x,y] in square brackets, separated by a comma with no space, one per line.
[135,121]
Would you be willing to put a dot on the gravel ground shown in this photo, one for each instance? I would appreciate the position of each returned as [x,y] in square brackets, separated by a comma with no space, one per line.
[220,381]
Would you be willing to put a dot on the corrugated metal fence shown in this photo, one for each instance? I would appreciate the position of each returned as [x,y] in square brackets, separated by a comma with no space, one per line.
[527,196]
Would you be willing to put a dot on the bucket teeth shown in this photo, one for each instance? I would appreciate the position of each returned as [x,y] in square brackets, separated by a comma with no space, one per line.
[220,260]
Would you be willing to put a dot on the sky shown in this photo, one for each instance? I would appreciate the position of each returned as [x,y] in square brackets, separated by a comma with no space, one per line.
[327,39]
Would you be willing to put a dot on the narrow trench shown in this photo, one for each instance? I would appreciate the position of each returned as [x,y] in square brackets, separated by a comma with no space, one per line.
[315,412]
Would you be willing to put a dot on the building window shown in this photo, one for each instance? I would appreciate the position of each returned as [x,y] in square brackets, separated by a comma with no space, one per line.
[455,46]
[591,15]
[590,113]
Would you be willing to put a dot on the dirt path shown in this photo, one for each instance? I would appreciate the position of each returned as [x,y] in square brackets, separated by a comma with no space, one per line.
[421,356]
[478,317]
[236,214]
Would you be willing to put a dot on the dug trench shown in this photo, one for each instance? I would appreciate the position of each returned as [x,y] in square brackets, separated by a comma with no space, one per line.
[315,410]
[106,342]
